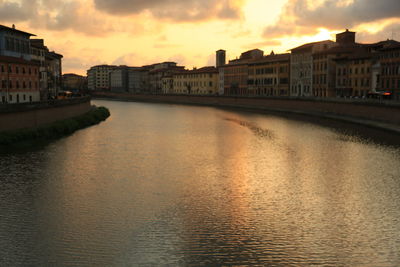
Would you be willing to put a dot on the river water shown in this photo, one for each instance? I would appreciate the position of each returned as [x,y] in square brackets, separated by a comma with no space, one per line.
[170,185]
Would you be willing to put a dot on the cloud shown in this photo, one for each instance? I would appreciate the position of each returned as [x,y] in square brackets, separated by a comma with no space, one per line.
[56,15]
[391,31]
[301,16]
[128,59]
[13,11]
[268,43]
[174,10]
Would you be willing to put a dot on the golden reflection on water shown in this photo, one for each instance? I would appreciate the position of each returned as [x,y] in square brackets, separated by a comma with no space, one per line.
[166,184]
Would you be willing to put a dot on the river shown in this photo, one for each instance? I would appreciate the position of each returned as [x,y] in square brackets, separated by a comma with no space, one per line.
[171,185]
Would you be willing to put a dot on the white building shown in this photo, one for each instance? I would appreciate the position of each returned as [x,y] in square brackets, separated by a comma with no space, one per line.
[119,79]
[99,77]
[138,79]
[301,67]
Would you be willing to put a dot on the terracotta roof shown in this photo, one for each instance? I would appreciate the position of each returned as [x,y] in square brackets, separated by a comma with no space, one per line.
[382,44]
[392,46]
[208,69]
[340,49]
[173,68]
[271,58]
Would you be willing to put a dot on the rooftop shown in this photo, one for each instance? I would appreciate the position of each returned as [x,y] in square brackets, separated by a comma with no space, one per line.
[5,28]
[309,45]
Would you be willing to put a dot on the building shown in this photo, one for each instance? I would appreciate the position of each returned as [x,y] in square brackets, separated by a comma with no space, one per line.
[99,77]
[138,79]
[236,73]
[15,43]
[221,75]
[220,58]
[269,75]
[301,67]
[38,55]
[389,59]
[54,74]
[19,80]
[168,84]
[119,79]
[74,82]
[203,81]
[19,74]
[160,71]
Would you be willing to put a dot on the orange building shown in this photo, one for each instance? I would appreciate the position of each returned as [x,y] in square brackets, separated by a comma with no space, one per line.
[390,70]
[19,80]
[269,76]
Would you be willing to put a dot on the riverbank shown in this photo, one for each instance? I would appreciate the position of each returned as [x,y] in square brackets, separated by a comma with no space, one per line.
[26,137]
[374,114]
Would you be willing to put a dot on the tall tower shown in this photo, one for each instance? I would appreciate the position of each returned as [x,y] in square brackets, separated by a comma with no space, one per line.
[221,58]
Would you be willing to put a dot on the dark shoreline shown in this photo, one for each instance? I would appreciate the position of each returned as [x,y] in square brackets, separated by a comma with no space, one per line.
[25,138]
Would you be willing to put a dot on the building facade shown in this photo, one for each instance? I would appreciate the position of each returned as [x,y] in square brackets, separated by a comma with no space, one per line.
[54,74]
[203,81]
[389,59]
[119,79]
[74,82]
[38,55]
[15,43]
[301,67]
[159,72]
[30,55]
[19,80]
[269,76]
[99,77]
[138,79]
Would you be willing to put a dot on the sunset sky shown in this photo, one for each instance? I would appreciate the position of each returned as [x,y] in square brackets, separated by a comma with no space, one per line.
[138,32]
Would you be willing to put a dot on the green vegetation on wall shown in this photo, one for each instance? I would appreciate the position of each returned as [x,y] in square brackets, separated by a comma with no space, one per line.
[56,129]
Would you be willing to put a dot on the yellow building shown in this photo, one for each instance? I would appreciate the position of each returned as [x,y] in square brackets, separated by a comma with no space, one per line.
[269,76]
[203,81]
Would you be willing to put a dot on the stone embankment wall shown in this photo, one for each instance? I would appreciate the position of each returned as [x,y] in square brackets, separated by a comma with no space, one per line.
[33,115]
[364,111]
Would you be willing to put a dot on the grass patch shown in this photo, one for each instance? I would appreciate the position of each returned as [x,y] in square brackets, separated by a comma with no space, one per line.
[54,130]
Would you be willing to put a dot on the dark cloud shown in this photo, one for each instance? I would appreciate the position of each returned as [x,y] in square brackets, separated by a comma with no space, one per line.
[299,16]
[391,31]
[175,10]
[14,12]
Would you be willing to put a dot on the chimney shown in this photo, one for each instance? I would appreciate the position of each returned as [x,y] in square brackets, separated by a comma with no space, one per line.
[13,26]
